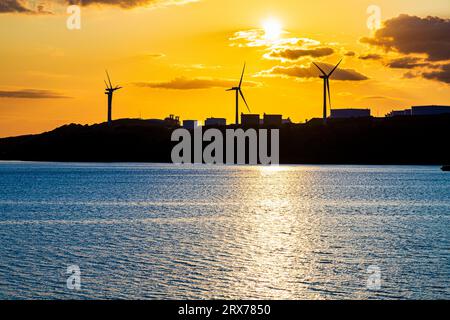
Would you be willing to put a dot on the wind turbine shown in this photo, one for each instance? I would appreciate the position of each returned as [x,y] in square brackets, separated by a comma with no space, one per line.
[239,92]
[326,88]
[109,91]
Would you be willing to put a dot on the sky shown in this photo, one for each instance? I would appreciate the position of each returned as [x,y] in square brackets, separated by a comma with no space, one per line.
[179,56]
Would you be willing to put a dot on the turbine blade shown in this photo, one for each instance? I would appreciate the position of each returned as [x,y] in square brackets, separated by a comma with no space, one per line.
[323,72]
[329,95]
[107,87]
[229,89]
[242,76]
[109,79]
[334,68]
[243,98]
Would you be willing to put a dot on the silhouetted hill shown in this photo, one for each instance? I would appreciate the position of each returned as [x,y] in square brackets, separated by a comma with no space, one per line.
[398,140]
[124,140]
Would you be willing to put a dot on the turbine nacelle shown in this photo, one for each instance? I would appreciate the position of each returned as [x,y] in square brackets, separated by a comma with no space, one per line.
[109,87]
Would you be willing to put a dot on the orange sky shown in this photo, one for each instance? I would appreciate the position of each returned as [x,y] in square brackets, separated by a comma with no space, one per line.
[178,58]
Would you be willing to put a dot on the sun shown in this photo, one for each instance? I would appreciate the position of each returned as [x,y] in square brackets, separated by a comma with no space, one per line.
[272,29]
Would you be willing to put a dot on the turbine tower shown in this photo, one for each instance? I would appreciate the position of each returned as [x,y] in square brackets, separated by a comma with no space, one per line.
[239,92]
[326,88]
[109,91]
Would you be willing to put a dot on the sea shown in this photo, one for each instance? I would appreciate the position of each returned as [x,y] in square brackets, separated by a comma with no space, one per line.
[165,231]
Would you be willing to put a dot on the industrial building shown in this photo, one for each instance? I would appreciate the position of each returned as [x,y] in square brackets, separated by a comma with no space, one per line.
[273,119]
[398,113]
[429,110]
[215,122]
[250,119]
[349,113]
[190,124]
[172,121]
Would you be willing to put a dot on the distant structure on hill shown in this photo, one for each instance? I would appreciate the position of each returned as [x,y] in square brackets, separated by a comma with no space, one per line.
[215,122]
[273,120]
[169,122]
[326,87]
[190,124]
[109,91]
[287,121]
[172,121]
[399,113]
[430,110]
[349,113]
[238,91]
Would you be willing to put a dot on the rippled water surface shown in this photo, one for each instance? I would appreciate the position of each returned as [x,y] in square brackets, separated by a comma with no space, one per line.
[163,231]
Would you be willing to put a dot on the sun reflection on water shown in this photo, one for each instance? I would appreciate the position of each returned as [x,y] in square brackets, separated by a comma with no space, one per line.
[276,249]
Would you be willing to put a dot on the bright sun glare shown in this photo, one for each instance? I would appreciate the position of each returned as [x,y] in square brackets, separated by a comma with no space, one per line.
[272,29]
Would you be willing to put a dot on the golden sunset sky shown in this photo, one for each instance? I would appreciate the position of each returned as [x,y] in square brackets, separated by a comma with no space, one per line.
[178,57]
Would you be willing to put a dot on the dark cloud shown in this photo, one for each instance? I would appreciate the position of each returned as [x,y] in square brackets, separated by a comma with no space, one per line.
[120,3]
[414,35]
[380,98]
[407,63]
[154,55]
[182,83]
[129,3]
[313,72]
[350,54]
[443,74]
[374,98]
[13,6]
[294,54]
[28,6]
[410,75]
[31,94]
[371,56]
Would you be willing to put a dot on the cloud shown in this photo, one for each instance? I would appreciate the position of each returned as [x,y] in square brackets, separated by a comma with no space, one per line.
[153,55]
[132,3]
[406,63]
[443,74]
[257,38]
[350,54]
[410,75]
[13,6]
[30,6]
[381,98]
[198,66]
[182,83]
[31,94]
[147,56]
[313,72]
[370,56]
[294,54]
[421,43]
[414,35]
